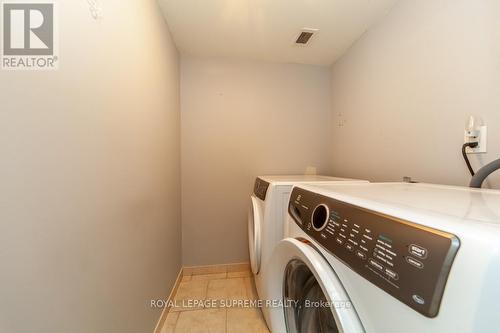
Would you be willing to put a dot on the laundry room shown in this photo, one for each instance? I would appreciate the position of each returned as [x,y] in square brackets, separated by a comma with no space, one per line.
[233,166]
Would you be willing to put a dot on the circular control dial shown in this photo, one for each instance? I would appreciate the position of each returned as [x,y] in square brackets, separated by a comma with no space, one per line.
[319,217]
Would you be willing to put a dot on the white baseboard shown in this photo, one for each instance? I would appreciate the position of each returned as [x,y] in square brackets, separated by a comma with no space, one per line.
[166,309]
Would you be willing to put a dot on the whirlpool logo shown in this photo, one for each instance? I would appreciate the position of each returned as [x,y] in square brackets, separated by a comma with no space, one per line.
[29,36]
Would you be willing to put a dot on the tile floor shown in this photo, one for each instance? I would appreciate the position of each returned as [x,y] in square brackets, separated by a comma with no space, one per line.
[213,315]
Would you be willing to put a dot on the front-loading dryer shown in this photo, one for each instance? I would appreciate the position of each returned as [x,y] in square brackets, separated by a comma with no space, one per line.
[389,258]
[267,213]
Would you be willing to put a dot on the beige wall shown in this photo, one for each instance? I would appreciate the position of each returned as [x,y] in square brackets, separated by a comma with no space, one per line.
[241,119]
[90,189]
[405,89]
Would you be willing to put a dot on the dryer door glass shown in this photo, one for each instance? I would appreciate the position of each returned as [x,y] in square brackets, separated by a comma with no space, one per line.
[254,237]
[307,307]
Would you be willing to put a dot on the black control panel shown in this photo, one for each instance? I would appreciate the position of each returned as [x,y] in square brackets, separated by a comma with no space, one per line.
[260,188]
[409,261]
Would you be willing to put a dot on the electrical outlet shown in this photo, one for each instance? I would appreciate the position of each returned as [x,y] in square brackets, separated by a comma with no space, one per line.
[482,135]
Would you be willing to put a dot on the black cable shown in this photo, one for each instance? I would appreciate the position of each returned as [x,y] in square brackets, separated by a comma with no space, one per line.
[464,154]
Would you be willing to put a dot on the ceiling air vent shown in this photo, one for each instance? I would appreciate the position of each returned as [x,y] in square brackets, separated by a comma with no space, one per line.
[305,36]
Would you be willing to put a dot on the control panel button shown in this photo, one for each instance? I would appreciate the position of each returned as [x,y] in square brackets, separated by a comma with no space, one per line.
[393,275]
[376,264]
[414,262]
[339,240]
[361,255]
[349,247]
[379,258]
[353,242]
[368,237]
[418,251]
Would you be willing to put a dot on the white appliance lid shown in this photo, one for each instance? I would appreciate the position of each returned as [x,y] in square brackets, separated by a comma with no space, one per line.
[464,203]
[298,179]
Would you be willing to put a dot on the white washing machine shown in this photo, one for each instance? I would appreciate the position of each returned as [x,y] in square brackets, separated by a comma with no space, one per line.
[267,213]
[388,258]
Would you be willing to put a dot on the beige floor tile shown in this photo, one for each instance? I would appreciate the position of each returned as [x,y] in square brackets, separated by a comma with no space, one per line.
[202,321]
[231,275]
[188,292]
[170,322]
[250,288]
[228,289]
[209,276]
[243,320]
[215,320]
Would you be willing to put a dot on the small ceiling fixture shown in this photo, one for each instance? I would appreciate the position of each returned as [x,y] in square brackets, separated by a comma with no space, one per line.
[305,36]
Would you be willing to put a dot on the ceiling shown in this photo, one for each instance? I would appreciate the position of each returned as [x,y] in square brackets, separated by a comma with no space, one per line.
[267,29]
